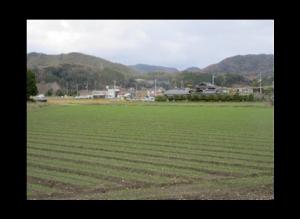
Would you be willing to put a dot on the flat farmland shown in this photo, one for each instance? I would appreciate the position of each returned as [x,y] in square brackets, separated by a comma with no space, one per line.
[150,151]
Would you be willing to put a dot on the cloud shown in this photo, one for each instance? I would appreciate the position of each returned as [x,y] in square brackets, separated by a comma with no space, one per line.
[175,43]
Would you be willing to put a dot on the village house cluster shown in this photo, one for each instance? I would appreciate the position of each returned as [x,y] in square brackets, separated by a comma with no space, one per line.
[149,94]
[119,93]
[208,88]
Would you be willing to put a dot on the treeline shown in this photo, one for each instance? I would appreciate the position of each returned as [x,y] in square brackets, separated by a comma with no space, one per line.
[205,97]
[70,76]
[224,80]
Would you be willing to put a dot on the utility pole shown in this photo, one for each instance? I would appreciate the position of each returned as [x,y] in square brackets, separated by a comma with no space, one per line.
[213,79]
[135,91]
[155,87]
[67,88]
[260,83]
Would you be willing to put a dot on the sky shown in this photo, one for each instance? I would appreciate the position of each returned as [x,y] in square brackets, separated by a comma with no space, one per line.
[171,43]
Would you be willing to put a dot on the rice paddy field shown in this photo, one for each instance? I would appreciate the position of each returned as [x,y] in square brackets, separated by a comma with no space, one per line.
[150,151]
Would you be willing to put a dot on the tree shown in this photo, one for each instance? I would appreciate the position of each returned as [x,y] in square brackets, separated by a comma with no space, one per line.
[220,80]
[59,92]
[49,92]
[31,84]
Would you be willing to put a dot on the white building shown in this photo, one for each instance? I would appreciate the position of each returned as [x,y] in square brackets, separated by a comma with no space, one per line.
[40,98]
[112,93]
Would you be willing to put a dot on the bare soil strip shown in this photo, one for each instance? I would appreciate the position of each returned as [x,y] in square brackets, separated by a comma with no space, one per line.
[118,180]
[65,188]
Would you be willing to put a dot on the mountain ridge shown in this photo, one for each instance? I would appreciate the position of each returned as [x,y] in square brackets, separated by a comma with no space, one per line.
[243,64]
[72,70]
[145,68]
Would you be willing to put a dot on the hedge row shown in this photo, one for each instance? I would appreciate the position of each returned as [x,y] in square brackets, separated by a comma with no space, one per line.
[209,97]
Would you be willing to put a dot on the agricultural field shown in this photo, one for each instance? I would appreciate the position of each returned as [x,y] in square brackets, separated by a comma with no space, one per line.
[150,151]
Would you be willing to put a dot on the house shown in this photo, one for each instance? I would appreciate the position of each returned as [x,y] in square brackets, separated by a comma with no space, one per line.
[149,98]
[174,92]
[244,90]
[99,94]
[84,92]
[84,97]
[222,90]
[124,96]
[206,88]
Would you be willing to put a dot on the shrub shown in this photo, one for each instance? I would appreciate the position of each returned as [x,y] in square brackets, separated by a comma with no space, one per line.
[171,98]
[236,97]
[213,97]
[222,97]
[194,97]
[59,93]
[49,92]
[251,97]
[161,98]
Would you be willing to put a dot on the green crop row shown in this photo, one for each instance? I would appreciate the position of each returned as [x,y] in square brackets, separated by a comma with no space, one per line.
[139,151]
[111,174]
[264,147]
[157,128]
[203,146]
[121,164]
[162,161]
[162,148]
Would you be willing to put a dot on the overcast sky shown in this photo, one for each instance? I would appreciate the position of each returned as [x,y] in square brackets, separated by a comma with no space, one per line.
[171,43]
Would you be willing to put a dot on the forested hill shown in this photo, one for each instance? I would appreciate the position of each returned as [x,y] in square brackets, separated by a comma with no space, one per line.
[143,68]
[72,69]
[78,68]
[244,64]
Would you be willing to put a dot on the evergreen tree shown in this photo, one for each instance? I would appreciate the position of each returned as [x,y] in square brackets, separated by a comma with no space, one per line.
[31,84]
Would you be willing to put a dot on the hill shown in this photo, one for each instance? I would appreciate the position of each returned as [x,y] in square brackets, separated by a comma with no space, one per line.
[143,68]
[192,69]
[77,68]
[74,71]
[244,64]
